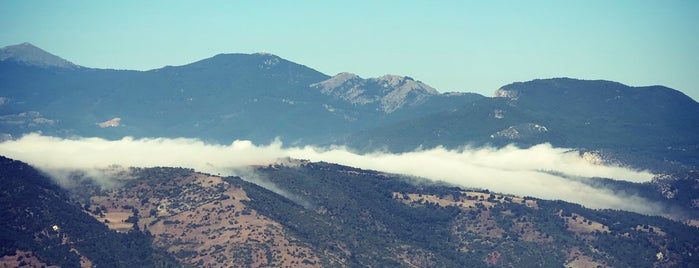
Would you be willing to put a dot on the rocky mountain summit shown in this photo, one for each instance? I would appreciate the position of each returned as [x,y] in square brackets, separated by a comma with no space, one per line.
[389,92]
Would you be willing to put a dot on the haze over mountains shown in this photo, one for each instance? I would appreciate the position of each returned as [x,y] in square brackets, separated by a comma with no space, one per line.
[597,143]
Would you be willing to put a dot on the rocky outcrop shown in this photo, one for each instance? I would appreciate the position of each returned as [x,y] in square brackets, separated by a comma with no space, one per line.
[504,93]
[389,92]
[521,131]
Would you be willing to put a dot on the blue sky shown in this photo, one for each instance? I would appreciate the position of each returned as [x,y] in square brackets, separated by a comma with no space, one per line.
[473,46]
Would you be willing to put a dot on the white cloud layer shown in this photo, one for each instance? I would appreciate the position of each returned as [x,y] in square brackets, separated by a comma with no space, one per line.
[540,171]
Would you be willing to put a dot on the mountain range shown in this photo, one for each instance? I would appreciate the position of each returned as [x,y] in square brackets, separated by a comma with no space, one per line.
[223,98]
[300,213]
[260,97]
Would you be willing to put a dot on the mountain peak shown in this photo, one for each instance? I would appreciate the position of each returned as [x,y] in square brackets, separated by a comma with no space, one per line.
[559,86]
[406,83]
[266,54]
[28,54]
[337,81]
[591,98]
[578,88]
[389,92]
[240,61]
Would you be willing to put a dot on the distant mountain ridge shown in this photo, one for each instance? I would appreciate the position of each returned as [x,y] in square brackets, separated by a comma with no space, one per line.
[572,96]
[222,98]
[260,97]
[640,123]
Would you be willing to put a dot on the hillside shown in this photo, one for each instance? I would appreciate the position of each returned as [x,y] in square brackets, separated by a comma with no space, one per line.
[320,214]
[41,225]
[443,224]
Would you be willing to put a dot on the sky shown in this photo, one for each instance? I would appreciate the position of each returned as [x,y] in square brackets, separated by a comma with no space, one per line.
[467,46]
